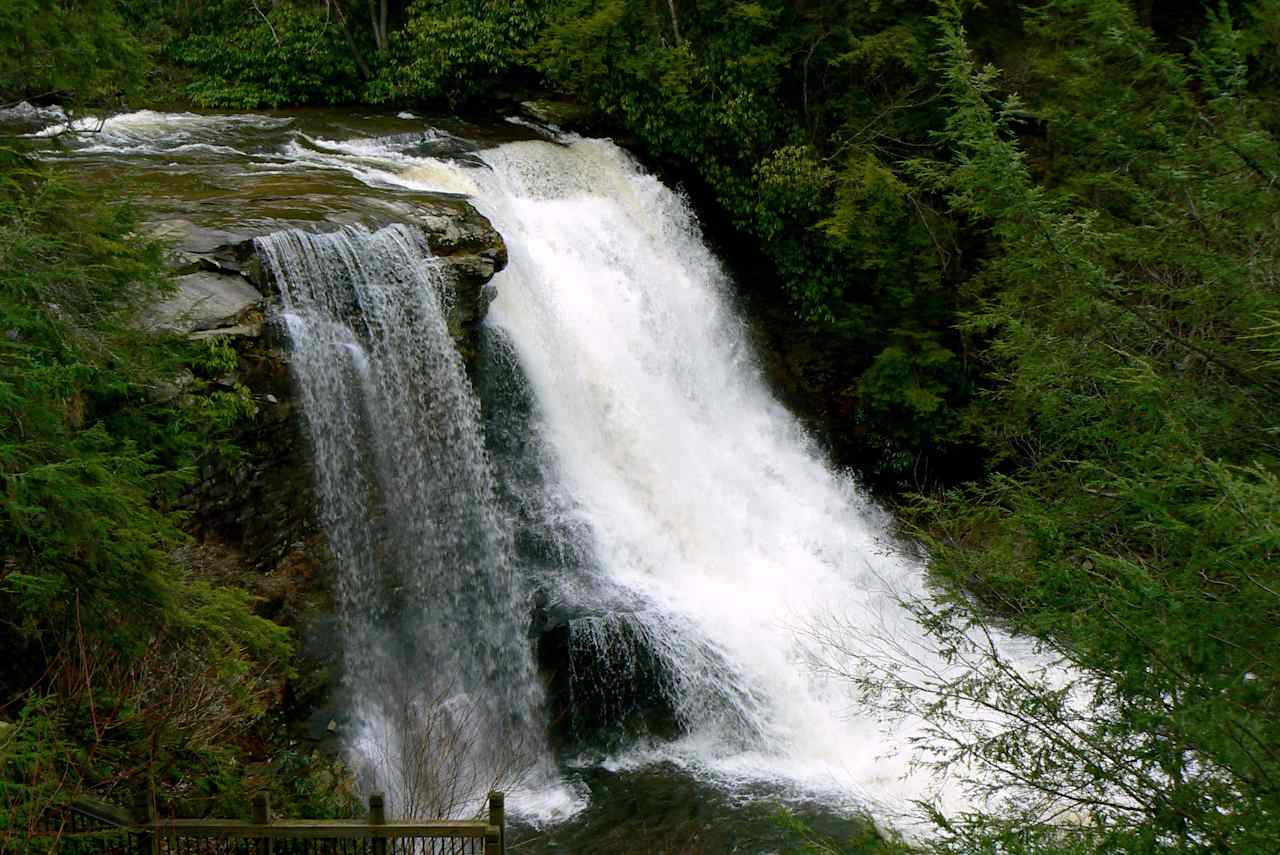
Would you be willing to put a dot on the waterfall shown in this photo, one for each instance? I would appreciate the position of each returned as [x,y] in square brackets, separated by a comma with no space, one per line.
[634,493]
[718,533]
[444,699]
[711,529]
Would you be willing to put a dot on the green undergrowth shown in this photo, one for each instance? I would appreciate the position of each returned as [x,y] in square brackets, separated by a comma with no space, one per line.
[125,676]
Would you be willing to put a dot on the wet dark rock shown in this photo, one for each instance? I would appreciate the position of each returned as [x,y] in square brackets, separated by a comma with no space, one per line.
[606,685]
[25,117]
[562,114]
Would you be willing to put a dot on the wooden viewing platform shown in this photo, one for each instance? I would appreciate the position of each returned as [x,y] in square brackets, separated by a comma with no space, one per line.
[109,832]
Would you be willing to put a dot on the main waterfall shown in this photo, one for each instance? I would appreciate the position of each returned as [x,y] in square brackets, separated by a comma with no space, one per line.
[716,532]
[445,703]
[700,521]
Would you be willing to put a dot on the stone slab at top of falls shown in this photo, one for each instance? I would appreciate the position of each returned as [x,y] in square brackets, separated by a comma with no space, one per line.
[220,291]
[210,183]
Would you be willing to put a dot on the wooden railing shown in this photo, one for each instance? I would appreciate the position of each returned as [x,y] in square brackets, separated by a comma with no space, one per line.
[83,816]
[262,836]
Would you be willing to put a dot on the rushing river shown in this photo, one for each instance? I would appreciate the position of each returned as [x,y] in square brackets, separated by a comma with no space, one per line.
[617,463]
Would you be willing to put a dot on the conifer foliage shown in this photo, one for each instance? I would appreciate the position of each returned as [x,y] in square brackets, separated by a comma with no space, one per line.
[123,675]
[1043,238]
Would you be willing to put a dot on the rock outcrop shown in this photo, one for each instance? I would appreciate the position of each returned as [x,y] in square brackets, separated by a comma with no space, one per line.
[223,289]
[209,302]
[25,117]
[606,683]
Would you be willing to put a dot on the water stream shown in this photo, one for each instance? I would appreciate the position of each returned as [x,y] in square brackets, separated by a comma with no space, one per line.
[717,531]
[711,529]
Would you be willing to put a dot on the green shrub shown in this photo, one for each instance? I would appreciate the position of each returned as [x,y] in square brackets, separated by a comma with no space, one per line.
[298,55]
[455,51]
[125,663]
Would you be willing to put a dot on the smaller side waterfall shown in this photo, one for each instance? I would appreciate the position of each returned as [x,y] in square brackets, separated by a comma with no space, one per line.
[444,698]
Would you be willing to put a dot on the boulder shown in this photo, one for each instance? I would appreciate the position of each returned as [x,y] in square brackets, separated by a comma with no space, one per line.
[189,238]
[606,683]
[208,302]
[25,117]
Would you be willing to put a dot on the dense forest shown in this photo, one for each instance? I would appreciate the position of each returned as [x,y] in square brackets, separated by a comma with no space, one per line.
[1040,238]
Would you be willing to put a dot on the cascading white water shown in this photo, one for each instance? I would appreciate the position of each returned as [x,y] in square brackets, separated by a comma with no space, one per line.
[147,132]
[718,531]
[716,524]
[441,683]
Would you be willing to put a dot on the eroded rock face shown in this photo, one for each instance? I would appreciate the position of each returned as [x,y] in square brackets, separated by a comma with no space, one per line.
[264,506]
[472,252]
[224,289]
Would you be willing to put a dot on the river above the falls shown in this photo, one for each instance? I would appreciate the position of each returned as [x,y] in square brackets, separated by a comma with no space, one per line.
[676,537]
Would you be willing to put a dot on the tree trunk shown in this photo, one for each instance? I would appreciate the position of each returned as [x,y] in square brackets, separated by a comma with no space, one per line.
[675,21]
[378,20]
[351,40]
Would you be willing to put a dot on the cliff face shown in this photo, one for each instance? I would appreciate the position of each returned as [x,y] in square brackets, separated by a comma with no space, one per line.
[254,514]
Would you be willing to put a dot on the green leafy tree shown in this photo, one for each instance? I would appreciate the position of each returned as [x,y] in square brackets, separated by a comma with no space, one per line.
[293,54]
[125,667]
[77,51]
[797,120]
[455,50]
[1130,406]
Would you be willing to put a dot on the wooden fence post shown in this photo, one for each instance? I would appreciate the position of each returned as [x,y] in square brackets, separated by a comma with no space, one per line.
[153,806]
[378,816]
[262,816]
[498,818]
[152,819]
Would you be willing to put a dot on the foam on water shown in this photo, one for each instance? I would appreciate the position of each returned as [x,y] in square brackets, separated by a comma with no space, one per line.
[381,165]
[151,132]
